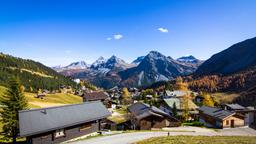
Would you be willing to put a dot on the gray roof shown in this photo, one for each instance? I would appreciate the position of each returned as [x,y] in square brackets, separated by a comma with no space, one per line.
[250,108]
[235,106]
[142,110]
[177,93]
[216,113]
[38,121]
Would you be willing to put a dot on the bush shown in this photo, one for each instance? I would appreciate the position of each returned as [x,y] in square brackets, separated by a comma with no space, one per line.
[194,123]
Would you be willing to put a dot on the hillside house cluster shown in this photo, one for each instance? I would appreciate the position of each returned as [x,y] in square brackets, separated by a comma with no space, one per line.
[62,123]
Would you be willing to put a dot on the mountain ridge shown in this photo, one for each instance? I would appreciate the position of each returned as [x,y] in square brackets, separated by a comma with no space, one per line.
[144,70]
[31,73]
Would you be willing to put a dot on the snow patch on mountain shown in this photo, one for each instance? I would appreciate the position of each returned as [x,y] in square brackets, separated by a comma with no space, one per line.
[77,65]
[140,76]
[138,60]
[188,59]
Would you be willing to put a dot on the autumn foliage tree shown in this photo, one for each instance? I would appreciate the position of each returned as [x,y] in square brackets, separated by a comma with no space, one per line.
[126,96]
[180,84]
[207,101]
[185,106]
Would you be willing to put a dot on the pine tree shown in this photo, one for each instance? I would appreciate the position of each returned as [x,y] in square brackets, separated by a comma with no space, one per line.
[174,110]
[12,101]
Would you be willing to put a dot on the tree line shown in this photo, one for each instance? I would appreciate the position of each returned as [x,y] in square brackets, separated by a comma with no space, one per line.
[11,66]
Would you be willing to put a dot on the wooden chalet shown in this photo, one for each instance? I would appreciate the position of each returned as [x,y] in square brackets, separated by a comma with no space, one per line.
[218,118]
[249,113]
[146,117]
[98,96]
[58,124]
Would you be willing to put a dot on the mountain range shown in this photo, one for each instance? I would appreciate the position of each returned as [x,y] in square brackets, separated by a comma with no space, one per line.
[142,71]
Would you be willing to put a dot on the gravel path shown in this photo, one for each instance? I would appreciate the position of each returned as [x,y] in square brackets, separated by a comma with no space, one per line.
[127,138]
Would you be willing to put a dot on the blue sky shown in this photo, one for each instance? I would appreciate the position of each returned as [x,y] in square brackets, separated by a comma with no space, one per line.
[59,32]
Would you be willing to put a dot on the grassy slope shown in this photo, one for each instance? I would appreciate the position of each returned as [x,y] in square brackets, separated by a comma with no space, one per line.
[52,100]
[224,97]
[200,140]
[49,100]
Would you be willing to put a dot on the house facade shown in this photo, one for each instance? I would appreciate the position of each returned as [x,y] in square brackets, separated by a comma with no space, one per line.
[218,118]
[249,112]
[58,124]
[146,117]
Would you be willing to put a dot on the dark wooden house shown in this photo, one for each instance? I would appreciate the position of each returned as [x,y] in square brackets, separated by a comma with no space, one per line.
[98,96]
[146,117]
[59,124]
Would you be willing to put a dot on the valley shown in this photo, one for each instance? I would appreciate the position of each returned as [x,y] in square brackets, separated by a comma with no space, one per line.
[127,72]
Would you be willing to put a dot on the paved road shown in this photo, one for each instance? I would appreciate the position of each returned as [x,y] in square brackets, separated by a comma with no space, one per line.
[127,138]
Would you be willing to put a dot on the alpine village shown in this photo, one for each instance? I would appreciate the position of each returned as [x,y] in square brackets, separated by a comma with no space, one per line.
[127,72]
[42,105]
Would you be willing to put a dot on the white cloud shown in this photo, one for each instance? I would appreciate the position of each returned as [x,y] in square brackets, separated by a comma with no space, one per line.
[67,51]
[115,37]
[118,36]
[163,30]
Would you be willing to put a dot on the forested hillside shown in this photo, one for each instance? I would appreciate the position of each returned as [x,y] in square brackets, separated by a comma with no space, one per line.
[33,75]
[231,70]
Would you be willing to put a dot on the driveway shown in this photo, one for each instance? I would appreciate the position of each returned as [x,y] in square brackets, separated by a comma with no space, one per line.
[127,138]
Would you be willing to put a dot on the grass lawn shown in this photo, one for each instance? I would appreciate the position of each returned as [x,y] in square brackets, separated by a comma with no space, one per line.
[224,97]
[119,115]
[200,140]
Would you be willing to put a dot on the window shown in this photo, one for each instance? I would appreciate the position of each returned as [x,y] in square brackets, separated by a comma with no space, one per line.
[227,122]
[85,127]
[59,133]
[44,137]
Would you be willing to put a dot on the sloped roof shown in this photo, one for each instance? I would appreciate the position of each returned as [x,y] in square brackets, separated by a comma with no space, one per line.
[179,93]
[235,106]
[142,110]
[37,121]
[171,101]
[178,102]
[216,113]
[250,108]
[93,96]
